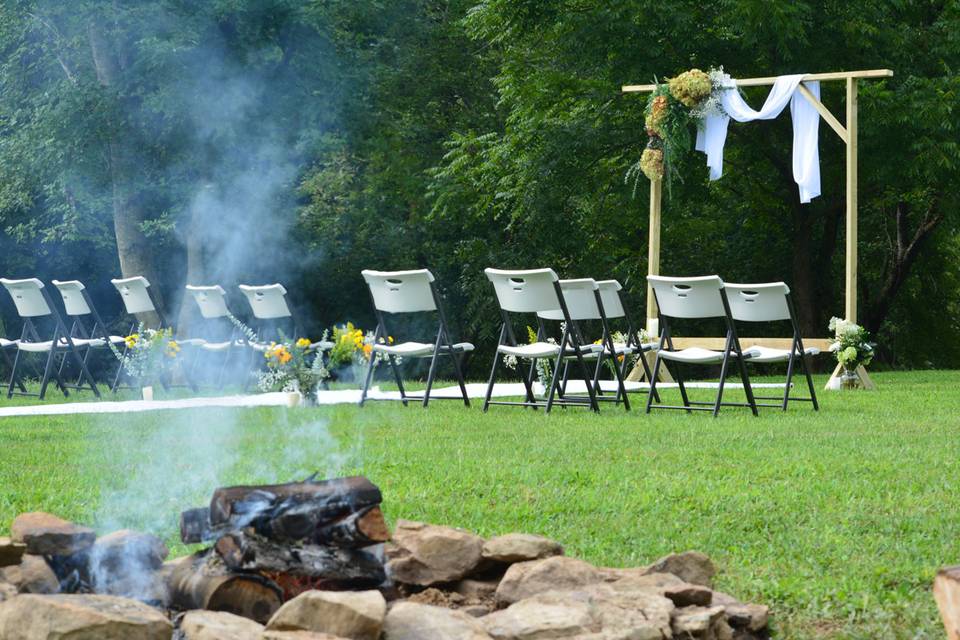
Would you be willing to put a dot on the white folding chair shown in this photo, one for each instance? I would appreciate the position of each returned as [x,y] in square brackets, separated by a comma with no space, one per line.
[136,299]
[615,307]
[538,291]
[268,303]
[33,304]
[212,302]
[584,304]
[79,308]
[404,292]
[696,298]
[771,302]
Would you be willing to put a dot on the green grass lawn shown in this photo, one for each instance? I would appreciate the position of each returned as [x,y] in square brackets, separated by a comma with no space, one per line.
[837,520]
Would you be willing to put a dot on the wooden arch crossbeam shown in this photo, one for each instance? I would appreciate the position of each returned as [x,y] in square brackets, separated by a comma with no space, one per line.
[848,133]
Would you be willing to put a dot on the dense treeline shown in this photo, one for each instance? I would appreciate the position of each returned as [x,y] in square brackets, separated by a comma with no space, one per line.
[302,141]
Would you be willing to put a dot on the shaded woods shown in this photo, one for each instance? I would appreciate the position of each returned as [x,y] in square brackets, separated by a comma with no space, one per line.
[267,140]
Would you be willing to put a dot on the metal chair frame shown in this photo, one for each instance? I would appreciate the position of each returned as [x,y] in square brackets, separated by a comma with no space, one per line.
[731,344]
[571,338]
[61,342]
[443,345]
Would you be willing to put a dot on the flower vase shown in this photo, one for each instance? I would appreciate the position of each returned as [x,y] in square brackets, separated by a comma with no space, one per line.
[849,378]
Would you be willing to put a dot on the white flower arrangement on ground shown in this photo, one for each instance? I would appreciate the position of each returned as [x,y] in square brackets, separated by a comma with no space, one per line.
[850,344]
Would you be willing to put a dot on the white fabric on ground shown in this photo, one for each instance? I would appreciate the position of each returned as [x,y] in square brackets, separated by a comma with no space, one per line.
[806,126]
[327,397]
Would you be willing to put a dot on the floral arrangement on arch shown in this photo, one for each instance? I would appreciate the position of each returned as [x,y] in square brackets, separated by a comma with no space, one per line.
[850,344]
[149,352]
[672,107]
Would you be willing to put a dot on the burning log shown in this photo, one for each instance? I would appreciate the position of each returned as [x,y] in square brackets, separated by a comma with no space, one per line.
[329,499]
[361,529]
[341,509]
[246,551]
[202,581]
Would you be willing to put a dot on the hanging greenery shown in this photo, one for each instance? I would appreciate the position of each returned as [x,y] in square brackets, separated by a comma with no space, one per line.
[672,107]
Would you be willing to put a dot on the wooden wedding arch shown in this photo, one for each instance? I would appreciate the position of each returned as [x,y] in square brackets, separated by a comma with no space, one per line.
[848,134]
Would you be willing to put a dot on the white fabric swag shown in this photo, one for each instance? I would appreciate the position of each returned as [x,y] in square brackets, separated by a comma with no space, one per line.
[806,129]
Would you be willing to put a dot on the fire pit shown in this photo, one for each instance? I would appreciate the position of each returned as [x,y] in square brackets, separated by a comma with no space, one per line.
[316,557]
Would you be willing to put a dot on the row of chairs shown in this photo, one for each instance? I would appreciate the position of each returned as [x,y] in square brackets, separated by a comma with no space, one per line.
[88,332]
[571,303]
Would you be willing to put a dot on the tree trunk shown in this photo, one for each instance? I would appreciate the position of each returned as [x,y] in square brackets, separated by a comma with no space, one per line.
[133,248]
[189,317]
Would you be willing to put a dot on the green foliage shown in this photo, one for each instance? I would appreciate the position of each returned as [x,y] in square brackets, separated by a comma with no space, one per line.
[462,134]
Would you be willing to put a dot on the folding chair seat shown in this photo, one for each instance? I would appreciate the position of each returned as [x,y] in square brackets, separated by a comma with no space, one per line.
[136,299]
[539,292]
[584,304]
[33,304]
[766,303]
[696,298]
[408,292]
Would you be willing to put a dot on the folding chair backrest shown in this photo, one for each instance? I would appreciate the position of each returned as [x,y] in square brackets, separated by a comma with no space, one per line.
[610,298]
[133,292]
[580,298]
[28,297]
[758,302]
[74,302]
[268,302]
[212,300]
[401,291]
[689,297]
[526,291]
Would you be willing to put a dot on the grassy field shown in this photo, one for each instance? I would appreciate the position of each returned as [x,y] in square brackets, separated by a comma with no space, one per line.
[837,520]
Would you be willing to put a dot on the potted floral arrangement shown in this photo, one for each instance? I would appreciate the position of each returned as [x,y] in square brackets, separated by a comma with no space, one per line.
[852,349]
[292,366]
[151,355]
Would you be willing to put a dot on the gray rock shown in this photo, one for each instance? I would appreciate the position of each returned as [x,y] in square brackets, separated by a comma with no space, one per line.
[47,535]
[690,566]
[520,547]
[218,625]
[595,612]
[83,617]
[411,621]
[32,575]
[353,614]
[749,617]
[684,595]
[697,622]
[425,554]
[526,579]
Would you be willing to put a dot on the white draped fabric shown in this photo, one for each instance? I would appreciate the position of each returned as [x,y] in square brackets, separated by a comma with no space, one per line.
[806,129]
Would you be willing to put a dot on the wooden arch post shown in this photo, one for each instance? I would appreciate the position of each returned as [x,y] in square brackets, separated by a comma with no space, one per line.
[849,136]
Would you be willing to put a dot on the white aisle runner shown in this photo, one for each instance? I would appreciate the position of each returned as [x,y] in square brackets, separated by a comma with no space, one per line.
[339,396]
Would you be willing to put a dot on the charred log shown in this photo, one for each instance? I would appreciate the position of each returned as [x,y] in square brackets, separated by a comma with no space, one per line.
[246,551]
[203,581]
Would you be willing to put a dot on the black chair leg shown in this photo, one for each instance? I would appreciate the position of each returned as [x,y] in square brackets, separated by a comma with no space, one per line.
[723,380]
[396,375]
[490,381]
